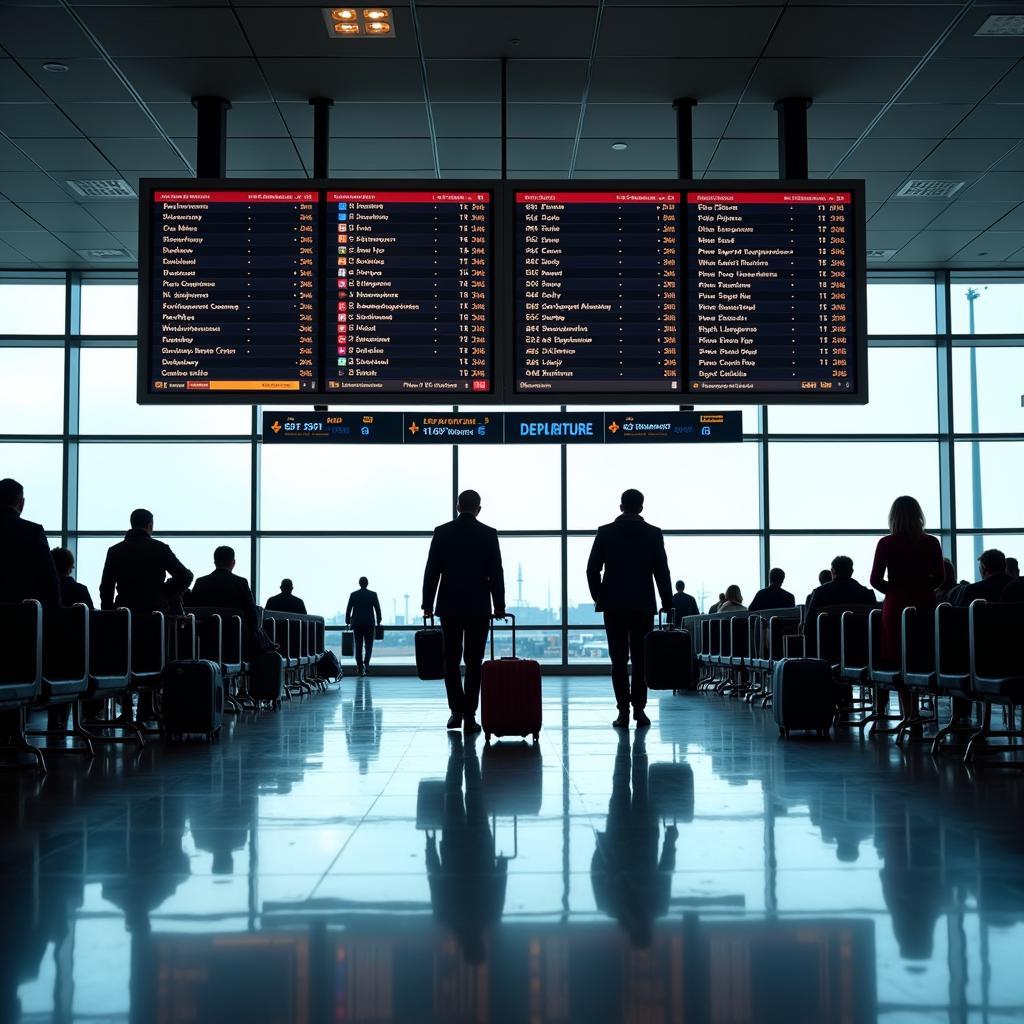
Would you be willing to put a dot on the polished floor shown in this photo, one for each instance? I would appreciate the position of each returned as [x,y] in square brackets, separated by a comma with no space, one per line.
[347,860]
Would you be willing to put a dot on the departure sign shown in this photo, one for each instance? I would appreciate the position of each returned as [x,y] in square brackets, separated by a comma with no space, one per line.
[409,292]
[233,296]
[597,294]
[770,293]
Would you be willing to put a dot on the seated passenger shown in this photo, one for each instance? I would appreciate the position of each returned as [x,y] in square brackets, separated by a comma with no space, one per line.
[717,605]
[223,589]
[842,589]
[948,584]
[1013,568]
[733,600]
[825,576]
[994,580]
[773,596]
[286,601]
[682,604]
[71,591]
[1014,592]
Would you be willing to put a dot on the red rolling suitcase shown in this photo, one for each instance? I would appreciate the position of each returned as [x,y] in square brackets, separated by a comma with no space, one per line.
[510,694]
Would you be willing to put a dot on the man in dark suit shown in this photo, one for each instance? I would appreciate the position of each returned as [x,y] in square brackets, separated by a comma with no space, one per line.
[286,601]
[71,591]
[682,604]
[994,580]
[26,568]
[630,552]
[465,574]
[773,596]
[842,589]
[223,589]
[364,616]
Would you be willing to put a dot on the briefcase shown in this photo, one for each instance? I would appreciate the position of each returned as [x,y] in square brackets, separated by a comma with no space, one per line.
[429,642]
[378,632]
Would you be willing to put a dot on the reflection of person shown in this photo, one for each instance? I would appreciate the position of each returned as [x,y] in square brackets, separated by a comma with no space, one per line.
[286,601]
[682,604]
[626,562]
[467,880]
[465,575]
[363,726]
[631,882]
[364,616]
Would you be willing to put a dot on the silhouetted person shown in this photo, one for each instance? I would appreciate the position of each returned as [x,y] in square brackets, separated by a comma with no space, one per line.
[1013,592]
[733,600]
[222,588]
[825,576]
[718,604]
[364,616]
[71,592]
[683,604]
[626,562]
[948,584]
[467,881]
[363,726]
[994,580]
[26,568]
[631,882]
[773,596]
[465,574]
[842,589]
[286,601]
[1013,568]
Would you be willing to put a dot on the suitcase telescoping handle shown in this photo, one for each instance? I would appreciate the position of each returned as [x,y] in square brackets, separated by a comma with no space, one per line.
[662,623]
[507,615]
[428,624]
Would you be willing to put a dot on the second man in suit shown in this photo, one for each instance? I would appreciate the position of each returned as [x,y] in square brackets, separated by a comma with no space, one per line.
[465,575]
[628,554]
[363,615]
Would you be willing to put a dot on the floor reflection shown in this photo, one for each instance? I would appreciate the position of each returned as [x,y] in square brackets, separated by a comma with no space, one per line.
[347,859]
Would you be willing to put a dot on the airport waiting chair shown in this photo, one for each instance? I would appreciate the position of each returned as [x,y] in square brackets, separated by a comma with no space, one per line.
[952,669]
[21,674]
[917,666]
[149,655]
[882,676]
[110,675]
[854,665]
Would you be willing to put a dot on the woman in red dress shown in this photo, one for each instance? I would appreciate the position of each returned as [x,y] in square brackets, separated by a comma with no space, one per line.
[907,569]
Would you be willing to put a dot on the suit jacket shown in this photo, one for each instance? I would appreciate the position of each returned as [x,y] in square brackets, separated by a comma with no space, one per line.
[772,597]
[831,595]
[1014,592]
[989,589]
[137,570]
[464,569]
[223,589]
[286,603]
[73,592]
[363,608]
[632,554]
[682,605]
[26,567]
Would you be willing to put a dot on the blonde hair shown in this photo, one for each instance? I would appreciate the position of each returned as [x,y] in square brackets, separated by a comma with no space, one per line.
[734,594]
[906,517]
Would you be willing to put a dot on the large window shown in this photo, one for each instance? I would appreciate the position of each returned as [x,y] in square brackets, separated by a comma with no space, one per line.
[805,484]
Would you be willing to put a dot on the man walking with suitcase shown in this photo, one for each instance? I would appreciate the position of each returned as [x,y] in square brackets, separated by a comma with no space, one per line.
[465,575]
[628,554]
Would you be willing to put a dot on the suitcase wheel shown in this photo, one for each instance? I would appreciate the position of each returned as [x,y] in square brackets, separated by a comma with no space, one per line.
[783,731]
[536,737]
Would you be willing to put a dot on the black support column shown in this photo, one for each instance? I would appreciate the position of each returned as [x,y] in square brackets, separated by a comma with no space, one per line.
[684,135]
[793,136]
[211,136]
[321,135]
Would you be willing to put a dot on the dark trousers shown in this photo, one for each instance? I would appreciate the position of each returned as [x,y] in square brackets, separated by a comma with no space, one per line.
[465,638]
[626,633]
[362,636]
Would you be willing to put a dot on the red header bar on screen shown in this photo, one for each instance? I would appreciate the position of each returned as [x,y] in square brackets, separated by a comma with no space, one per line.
[234,197]
[781,198]
[408,197]
[597,197]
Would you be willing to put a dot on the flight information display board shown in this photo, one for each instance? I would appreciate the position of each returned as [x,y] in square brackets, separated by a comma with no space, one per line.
[409,292]
[232,291]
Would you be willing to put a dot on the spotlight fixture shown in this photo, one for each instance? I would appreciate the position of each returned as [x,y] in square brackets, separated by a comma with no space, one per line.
[357,22]
[619,146]
[55,68]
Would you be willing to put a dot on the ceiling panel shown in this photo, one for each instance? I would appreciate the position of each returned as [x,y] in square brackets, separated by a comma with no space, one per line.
[839,120]
[362,120]
[997,185]
[888,155]
[53,154]
[38,245]
[66,216]
[47,33]
[479,120]
[930,246]
[907,214]
[834,80]
[536,120]
[13,158]
[968,216]
[744,155]
[111,120]
[966,154]
[469,153]
[358,79]
[543,81]
[252,154]
[990,246]
[992,121]
[456,81]
[139,154]
[87,80]
[524,153]
[178,80]
[35,121]
[365,154]
[955,81]
[685,32]
[14,218]
[919,120]
[167,31]
[642,154]
[30,186]
[660,80]
[545,31]
[16,86]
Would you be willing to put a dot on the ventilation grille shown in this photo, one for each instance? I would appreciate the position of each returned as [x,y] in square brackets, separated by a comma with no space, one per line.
[880,255]
[104,254]
[1002,25]
[101,188]
[928,188]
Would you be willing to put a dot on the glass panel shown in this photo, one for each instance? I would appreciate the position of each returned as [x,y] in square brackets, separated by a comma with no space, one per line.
[707,565]
[32,307]
[998,307]
[997,466]
[969,546]
[902,307]
[802,558]
[382,487]
[840,484]
[185,486]
[1000,386]
[195,553]
[533,579]
[903,390]
[39,469]
[108,405]
[31,390]
[110,307]
[676,480]
[520,485]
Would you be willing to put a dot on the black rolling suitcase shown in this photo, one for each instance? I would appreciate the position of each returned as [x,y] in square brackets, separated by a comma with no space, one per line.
[193,699]
[668,657]
[429,651]
[266,678]
[803,696]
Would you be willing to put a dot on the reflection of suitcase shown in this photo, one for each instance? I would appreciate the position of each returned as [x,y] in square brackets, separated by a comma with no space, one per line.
[430,797]
[510,694]
[668,658]
[670,789]
[193,698]
[512,778]
[266,677]
[429,643]
[802,695]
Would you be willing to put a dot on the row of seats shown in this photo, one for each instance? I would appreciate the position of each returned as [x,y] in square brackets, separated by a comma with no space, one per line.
[55,657]
[975,656]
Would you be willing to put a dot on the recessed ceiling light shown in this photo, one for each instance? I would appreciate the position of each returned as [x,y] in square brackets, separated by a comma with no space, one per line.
[55,68]
[619,146]
[1002,25]
[356,22]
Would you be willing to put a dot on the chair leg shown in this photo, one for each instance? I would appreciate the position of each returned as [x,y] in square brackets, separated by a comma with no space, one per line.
[75,732]
[132,734]
[20,745]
